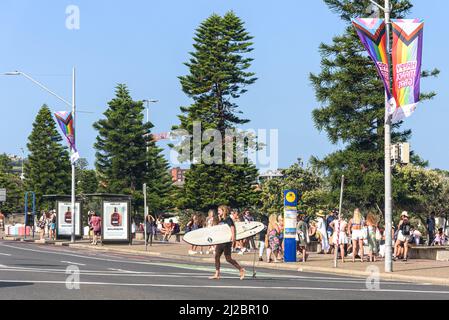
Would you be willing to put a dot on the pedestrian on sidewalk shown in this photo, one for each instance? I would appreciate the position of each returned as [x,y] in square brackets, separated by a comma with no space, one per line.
[42,225]
[430,226]
[192,225]
[281,236]
[247,217]
[89,223]
[322,230]
[133,229]
[96,225]
[339,228]
[373,236]
[331,217]
[52,235]
[226,248]
[262,236]
[382,243]
[159,227]
[440,239]
[415,236]
[272,241]
[356,226]
[404,228]
[302,233]
[238,246]
[48,224]
[167,230]
[211,221]
[150,225]
[2,221]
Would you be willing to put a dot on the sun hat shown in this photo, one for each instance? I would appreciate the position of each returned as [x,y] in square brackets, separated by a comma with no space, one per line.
[404,214]
[320,213]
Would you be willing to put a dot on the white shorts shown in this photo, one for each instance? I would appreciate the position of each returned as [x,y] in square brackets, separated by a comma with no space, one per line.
[342,238]
[403,238]
[358,235]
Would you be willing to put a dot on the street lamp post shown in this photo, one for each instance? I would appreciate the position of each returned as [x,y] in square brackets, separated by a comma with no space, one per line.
[388,206]
[22,175]
[148,101]
[72,105]
[146,209]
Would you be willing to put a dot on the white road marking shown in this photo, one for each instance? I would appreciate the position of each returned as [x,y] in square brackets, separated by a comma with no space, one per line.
[225,287]
[119,273]
[204,268]
[73,263]
[5,254]
[124,271]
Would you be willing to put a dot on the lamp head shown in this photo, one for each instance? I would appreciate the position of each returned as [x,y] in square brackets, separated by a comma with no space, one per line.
[12,73]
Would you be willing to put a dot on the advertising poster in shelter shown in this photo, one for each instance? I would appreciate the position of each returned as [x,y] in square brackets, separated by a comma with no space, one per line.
[115,220]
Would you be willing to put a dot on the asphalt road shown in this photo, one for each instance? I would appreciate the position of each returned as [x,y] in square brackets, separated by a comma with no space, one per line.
[29,271]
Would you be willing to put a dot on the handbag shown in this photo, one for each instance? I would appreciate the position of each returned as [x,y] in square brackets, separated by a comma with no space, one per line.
[41,224]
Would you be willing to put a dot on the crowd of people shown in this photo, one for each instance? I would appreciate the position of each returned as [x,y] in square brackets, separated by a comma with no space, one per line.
[158,229]
[47,225]
[350,234]
[347,235]
[198,221]
[354,236]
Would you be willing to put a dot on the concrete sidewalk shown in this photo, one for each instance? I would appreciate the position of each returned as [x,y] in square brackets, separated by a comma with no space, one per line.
[415,271]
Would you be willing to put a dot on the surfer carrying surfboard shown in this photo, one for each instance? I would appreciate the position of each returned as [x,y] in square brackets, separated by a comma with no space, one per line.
[226,248]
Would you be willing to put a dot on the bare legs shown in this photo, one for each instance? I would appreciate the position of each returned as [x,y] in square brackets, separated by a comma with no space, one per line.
[357,248]
[226,249]
[361,249]
[342,252]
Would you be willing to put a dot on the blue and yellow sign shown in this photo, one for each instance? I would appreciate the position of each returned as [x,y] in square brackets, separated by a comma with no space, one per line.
[290,221]
[290,198]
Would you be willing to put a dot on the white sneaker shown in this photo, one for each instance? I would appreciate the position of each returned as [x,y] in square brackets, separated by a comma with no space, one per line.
[192,252]
[207,252]
[241,252]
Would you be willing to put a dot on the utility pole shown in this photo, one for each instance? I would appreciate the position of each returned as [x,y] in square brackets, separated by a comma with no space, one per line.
[73,106]
[22,175]
[145,215]
[146,209]
[148,101]
[73,163]
[388,206]
[337,232]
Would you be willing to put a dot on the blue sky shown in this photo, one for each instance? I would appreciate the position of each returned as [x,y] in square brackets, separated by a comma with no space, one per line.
[144,43]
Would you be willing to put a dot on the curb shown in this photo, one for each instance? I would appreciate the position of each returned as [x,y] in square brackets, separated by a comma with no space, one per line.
[10,238]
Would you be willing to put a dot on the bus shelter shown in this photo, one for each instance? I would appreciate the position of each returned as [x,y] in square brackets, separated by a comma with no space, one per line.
[114,210]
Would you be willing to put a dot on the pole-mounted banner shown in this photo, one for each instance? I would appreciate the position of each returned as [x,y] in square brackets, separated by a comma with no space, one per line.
[372,33]
[407,58]
[65,122]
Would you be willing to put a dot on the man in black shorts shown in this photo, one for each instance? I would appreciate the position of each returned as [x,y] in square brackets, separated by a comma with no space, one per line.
[226,248]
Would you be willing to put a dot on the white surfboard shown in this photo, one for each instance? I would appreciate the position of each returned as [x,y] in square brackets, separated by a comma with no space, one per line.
[222,233]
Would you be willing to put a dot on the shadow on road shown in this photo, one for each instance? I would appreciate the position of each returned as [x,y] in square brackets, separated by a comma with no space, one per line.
[14,284]
[35,265]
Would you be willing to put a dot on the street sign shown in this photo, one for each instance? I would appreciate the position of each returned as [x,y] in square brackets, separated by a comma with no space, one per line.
[2,195]
[290,219]
[400,153]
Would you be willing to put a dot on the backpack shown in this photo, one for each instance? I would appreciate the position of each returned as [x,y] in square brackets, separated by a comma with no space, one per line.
[176,229]
[405,228]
